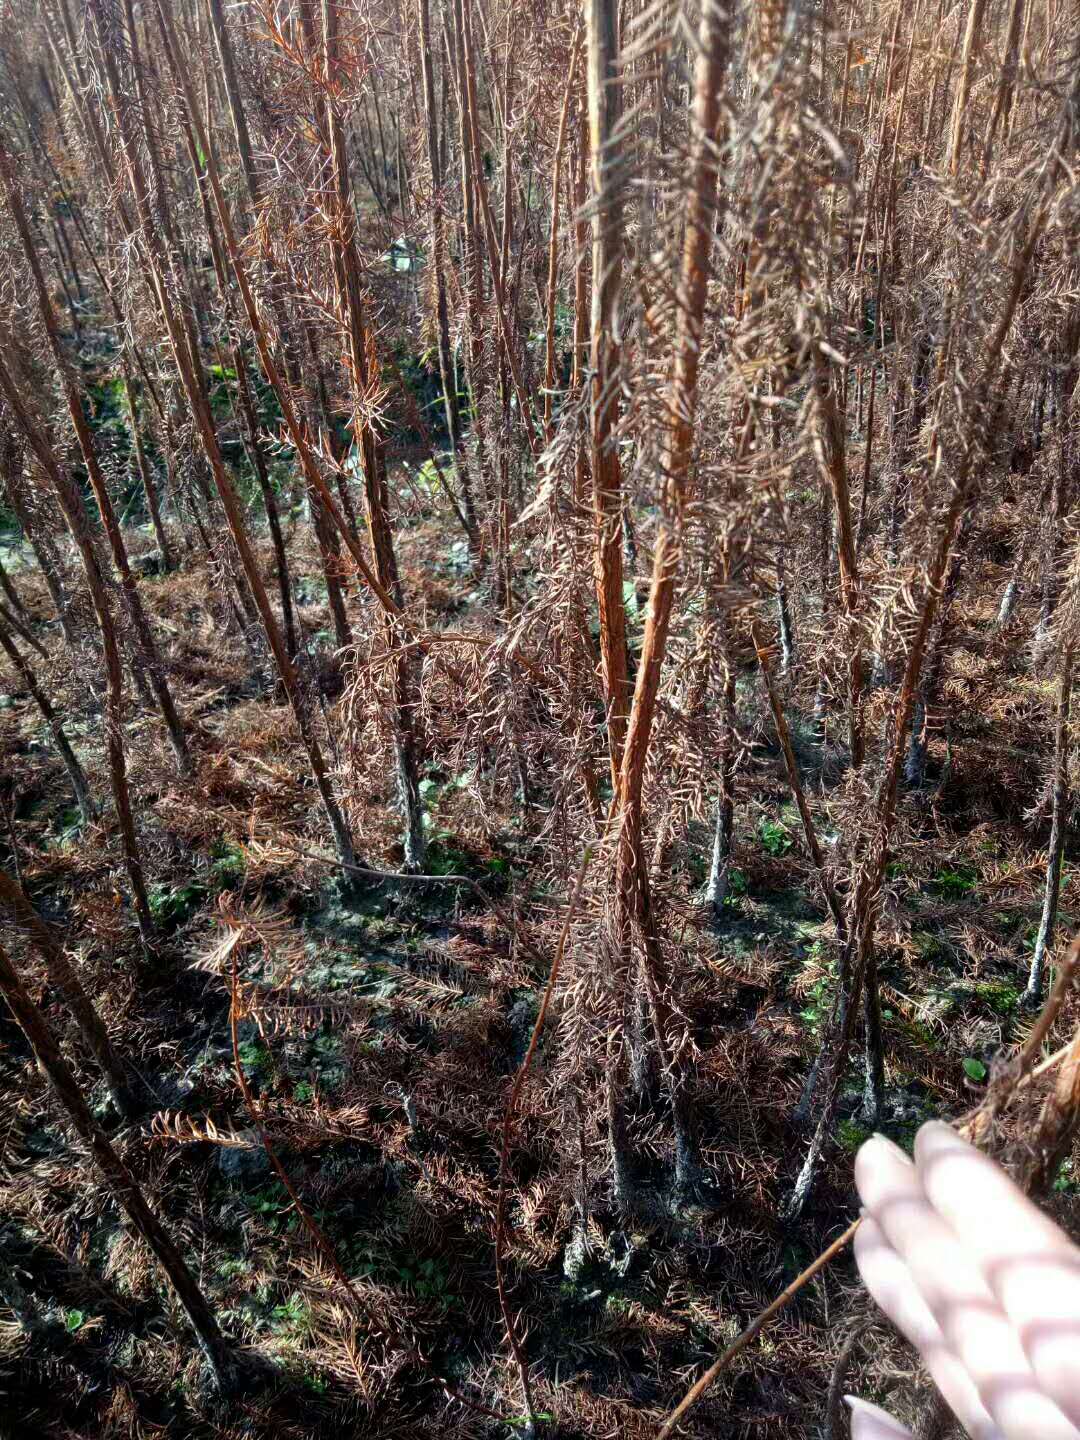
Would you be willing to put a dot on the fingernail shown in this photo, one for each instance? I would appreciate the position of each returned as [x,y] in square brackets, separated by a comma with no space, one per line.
[883,1423]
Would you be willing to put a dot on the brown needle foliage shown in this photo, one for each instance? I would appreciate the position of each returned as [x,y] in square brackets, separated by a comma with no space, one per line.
[472,437]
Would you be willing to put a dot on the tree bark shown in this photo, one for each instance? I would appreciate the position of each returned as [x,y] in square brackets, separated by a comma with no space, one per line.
[168,559]
[724,831]
[436,243]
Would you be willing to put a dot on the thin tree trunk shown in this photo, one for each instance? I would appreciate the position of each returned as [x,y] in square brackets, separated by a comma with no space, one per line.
[436,243]
[75,515]
[783,615]
[791,765]
[372,448]
[168,559]
[254,445]
[471,260]
[631,914]
[874,1051]
[76,774]
[187,367]
[121,1182]
[1059,824]
[605,109]
[553,237]
[1054,522]
[8,587]
[26,635]
[62,975]
[44,551]
[724,831]
[926,695]
[222,40]
[1011,592]
[829,441]
[869,867]
[140,624]
[963,92]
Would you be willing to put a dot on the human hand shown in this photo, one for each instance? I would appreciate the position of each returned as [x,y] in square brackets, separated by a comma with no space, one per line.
[982,1283]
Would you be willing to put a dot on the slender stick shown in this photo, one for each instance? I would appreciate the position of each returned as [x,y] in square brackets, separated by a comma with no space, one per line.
[737,1346]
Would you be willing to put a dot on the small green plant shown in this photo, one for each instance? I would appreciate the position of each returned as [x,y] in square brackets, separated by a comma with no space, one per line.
[958,880]
[228,863]
[634,614]
[851,1134]
[327,1047]
[1002,997]
[775,837]
[926,945]
[815,1011]
[222,382]
[173,905]
[291,1317]
[819,996]
[444,858]
[73,1320]
[1065,1184]
[268,1199]
[68,828]
[737,888]
[426,1279]
[303,1092]
[326,1059]
[255,1057]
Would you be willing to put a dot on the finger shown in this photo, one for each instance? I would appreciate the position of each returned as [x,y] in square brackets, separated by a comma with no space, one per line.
[974,1326]
[1030,1266]
[889,1282]
[870,1423]
[891,1190]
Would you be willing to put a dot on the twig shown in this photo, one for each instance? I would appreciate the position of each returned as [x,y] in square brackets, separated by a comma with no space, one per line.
[1020,1073]
[717,1368]
[834,1424]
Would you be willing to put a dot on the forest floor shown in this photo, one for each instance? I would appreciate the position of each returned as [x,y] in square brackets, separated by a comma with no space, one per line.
[381,1030]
